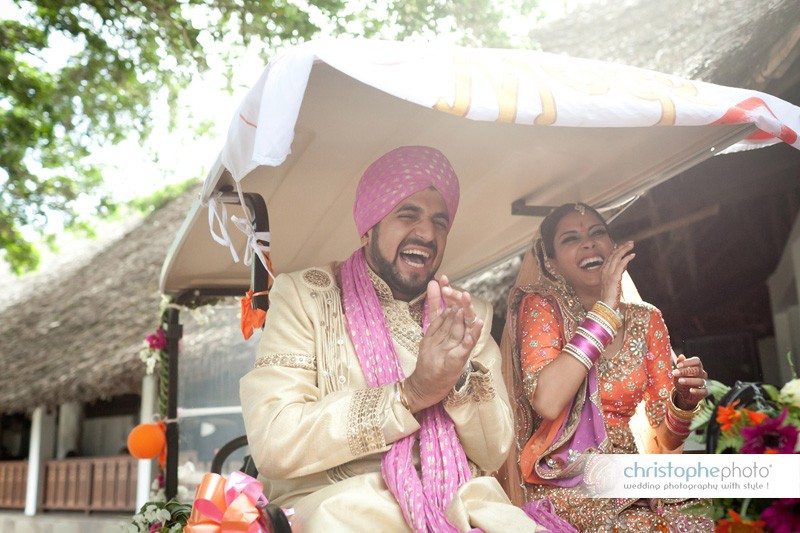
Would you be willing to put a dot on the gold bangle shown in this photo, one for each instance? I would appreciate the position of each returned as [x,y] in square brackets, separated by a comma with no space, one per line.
[611,330]
[401,390]
[683,414]
[614,316]
[604,311]
[613,311]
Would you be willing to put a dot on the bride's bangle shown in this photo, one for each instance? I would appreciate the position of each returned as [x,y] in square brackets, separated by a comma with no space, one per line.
[677,420]
[594,333]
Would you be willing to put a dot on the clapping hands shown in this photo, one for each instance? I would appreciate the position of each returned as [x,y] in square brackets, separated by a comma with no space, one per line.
[445,348]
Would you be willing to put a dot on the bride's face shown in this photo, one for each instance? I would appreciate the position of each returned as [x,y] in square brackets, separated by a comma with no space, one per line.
[582,244]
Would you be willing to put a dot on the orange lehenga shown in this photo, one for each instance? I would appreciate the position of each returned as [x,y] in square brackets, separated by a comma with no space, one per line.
[633,387]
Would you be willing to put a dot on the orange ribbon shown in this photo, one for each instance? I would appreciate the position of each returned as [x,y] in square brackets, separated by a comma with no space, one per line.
[162,455]
[252,318]
[226,506]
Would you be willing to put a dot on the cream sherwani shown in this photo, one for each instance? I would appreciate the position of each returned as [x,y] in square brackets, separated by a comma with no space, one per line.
[317,432]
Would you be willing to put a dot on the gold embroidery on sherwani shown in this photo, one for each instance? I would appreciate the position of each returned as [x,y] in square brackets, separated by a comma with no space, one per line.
[478,388]
[291,360]
[404,320]
[317,277]
[331,348]
[365,421]
[406,329]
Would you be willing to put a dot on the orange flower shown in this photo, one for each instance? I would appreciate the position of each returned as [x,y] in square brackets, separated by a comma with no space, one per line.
[727,416]
[737,524]
[755,417]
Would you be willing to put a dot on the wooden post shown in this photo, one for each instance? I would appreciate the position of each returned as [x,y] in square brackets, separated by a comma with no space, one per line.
[174,332]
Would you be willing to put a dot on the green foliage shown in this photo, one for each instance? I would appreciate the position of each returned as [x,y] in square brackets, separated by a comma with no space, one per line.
[161,197]
[53,115]
[114,57]
[478,21]
[716,390]
[733,418]
[772,392]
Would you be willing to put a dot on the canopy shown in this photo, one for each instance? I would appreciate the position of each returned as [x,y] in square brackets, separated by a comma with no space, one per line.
[520,127]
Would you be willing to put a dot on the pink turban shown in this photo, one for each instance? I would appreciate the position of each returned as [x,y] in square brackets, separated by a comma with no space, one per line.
[397,175]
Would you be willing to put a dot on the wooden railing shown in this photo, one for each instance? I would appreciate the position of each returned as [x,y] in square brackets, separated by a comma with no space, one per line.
[13,480]
[90,484]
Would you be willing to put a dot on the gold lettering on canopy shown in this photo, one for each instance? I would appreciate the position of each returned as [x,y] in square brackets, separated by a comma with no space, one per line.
[504,79]
[505,75]
[463,91]
[594,80]
[526,71]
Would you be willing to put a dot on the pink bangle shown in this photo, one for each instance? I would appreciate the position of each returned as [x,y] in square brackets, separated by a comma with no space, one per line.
[598,331]
[590,339]
[585,345]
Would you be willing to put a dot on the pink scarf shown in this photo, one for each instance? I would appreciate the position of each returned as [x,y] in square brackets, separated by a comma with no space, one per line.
[443,461]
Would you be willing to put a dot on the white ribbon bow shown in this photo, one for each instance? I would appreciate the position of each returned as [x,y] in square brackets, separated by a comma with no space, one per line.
[224,239]
[253,247]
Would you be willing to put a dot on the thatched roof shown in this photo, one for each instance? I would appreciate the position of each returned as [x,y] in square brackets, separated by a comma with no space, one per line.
[72,254]
[728,42]
[76,337]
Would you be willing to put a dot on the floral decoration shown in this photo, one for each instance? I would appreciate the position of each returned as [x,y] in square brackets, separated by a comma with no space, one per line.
[764,427]
[734,523]
[783,516]
[159,515]
[154,345]
[770,435]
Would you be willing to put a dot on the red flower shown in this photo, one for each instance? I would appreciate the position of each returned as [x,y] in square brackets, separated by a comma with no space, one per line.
[769,437]
[727,416]
[755,417]
[737,524]
[157,340]
[783,516]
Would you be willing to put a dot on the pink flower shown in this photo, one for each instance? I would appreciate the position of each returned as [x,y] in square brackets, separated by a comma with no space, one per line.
[783,516]
[157,340]
[769,437]
[155,527]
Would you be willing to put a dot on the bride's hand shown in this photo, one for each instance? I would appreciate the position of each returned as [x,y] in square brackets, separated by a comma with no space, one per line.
[611,274]
[690,382]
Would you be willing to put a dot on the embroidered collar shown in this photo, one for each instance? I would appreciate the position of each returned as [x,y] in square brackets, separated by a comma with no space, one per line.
[386,297]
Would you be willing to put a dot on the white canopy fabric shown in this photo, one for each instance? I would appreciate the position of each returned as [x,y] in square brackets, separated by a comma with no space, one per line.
[516,125]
